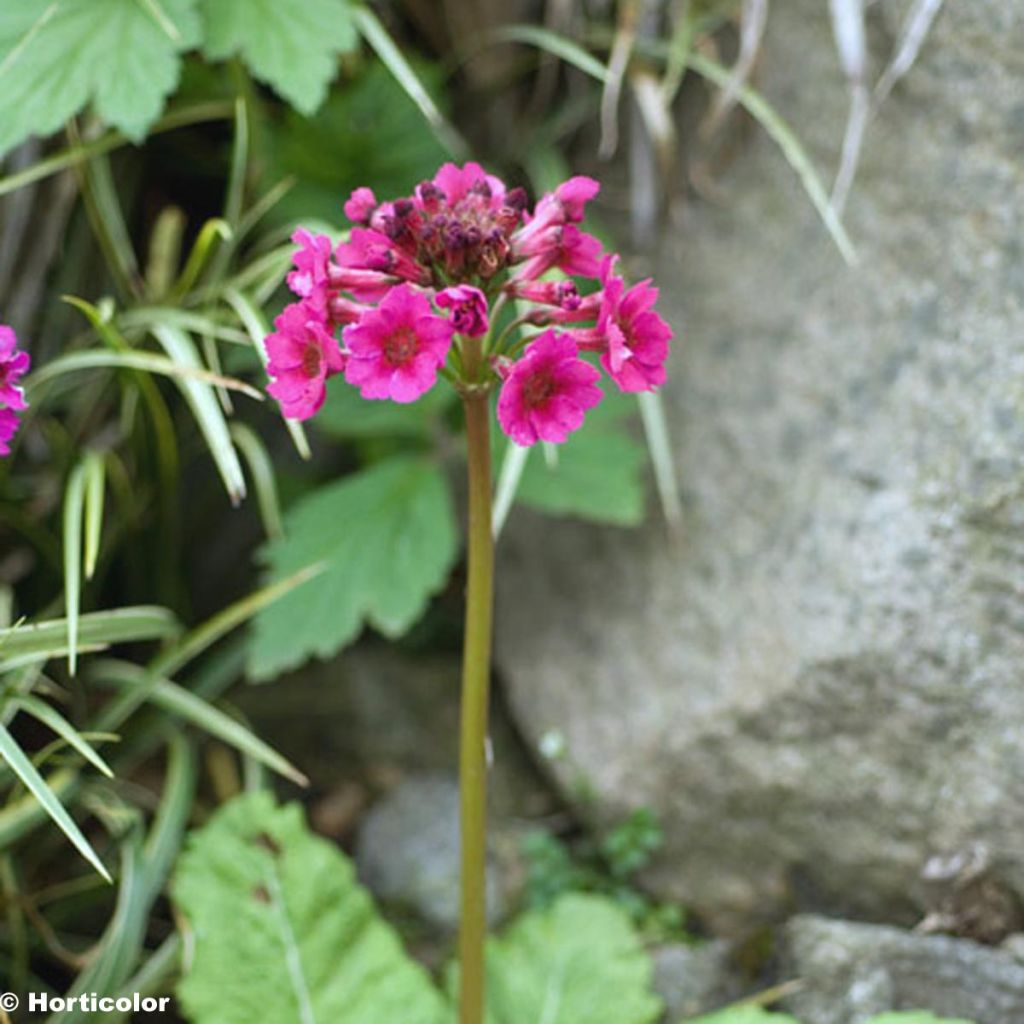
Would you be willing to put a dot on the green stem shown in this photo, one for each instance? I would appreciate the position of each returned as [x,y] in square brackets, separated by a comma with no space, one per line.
[476,667]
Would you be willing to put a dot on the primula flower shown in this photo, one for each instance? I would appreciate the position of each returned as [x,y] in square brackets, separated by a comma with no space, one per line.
[396,349]
[14,364]
[421,274]
[637,338]
[469,309]
[302,355]
[547,392]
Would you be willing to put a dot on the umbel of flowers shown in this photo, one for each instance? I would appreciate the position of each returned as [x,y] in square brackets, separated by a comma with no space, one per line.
[423,279]
[14,364]
[461,280]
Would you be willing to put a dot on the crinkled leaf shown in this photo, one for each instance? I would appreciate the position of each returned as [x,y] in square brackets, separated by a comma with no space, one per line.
[292,45]
[386,539]
[282,932]
[58,56]
[578,962]
[597,474]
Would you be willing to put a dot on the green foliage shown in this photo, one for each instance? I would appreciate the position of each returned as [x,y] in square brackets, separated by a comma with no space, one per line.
[605,867]
[577,962]
[915,1017]
[123,56]
[386,539]
[597,474]
[283,932]
[292,45]
[346,415]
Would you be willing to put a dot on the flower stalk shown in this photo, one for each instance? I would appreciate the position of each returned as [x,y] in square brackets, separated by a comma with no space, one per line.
[476,668]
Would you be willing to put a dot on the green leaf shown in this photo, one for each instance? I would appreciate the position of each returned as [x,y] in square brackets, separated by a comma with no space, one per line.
[578,962]
[282,932]
[386,538]
[346,415]
[48,639]
[36,785]
[123,56]
[42,712]
[292,45]
[596,475]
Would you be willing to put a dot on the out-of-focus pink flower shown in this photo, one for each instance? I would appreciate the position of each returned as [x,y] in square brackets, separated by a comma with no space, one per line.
[468,306]
[14,365]
[8,428]
[637,338]
[311,277]
[302,355]
[360,206]
[547,392]
[396,350]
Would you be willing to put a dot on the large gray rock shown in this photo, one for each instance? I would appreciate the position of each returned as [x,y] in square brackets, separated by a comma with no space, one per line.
[851,972]
[818,684]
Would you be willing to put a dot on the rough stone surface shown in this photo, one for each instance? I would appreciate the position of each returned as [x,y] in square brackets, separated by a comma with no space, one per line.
[850,972]
[695,980]
[407,853]
[818,684]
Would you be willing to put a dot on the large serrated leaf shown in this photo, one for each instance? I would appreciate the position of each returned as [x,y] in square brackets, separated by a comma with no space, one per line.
[385,537]
[292,45]
[579,961]
[121,56]
[282,932]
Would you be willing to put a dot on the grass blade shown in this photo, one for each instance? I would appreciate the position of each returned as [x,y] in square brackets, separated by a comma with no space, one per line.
[512,465]
[252,320]
[52,719]
[912,36]
[782,135]
[36,785]
[753,18]
[618,61]
[850,34]
[544,39]
[95,487]
[150,362]
[206,409]
[371,29]
[74,513]
[122,625]
[659,445]
[262,471]
[213,230]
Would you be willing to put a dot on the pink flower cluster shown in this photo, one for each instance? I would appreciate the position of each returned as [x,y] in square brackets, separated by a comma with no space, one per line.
[14,365]
[421,278]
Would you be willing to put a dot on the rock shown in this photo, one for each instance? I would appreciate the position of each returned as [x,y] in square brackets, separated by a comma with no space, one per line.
[817,686]
[850,972]
[407,853]
[695,979]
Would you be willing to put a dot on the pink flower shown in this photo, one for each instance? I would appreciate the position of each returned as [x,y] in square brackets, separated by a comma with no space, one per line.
[562,294]
[547,392]
[8,428]
[372,250]
[395,350]
[458,182]
[637,337]
[311,276]
[360,206]
[469,309]
[555,209]
[563,246]
[14,365]
[302,355]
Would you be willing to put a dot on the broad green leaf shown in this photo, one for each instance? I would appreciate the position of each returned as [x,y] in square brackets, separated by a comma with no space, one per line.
[281,931]
[386,538]
[292,45]
[597,474]
[347,415]
[579,961]
[58,56]
[36,785]
[44,639]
